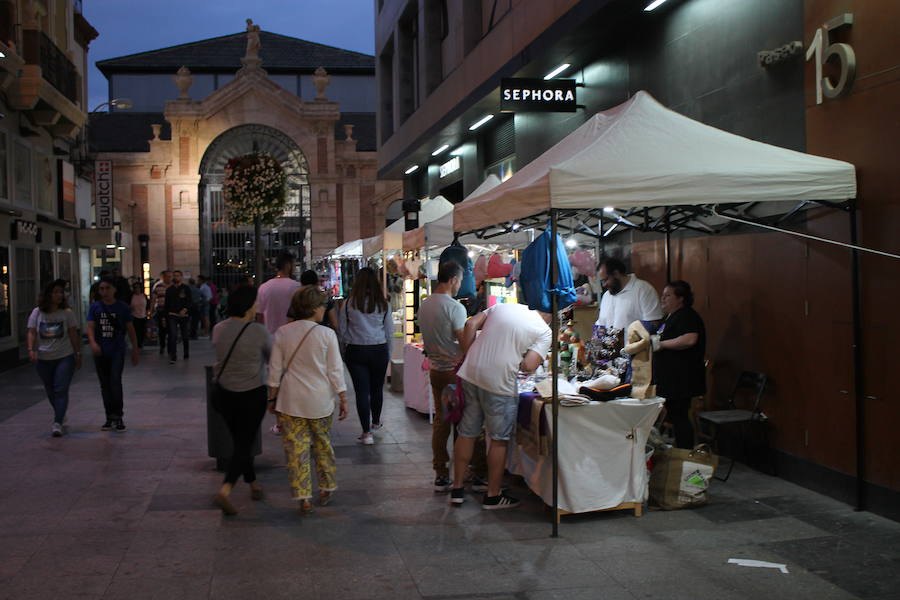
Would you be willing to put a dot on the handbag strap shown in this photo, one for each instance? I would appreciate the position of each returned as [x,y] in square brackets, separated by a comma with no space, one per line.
[294,353]
[230,350]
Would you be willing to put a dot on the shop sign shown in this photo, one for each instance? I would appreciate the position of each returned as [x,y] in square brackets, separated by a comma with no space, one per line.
[66,191]
[450,167]
[103,194]
[537,95]
[29,228]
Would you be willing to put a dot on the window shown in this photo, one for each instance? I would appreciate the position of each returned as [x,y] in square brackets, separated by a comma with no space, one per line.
[45,258]
[22,174]
[4,174]
[5,300]
[43,184]
[26,289]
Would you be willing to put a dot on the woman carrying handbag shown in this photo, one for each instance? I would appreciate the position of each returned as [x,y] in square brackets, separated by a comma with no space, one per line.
[305,372]
[239,394]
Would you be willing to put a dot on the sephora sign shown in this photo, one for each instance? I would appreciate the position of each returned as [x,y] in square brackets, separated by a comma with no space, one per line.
[538,95]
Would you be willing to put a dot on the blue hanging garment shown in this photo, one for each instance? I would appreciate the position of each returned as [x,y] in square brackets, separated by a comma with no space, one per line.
[535,281]
[460,255]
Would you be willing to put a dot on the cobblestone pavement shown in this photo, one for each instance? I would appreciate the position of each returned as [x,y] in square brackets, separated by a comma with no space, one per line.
[106,515]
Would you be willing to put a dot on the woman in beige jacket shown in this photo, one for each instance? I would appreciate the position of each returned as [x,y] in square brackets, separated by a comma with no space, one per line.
[305,373]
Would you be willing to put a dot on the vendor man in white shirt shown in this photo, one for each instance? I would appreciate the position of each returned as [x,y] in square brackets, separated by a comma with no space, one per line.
[626,298]
[512,339]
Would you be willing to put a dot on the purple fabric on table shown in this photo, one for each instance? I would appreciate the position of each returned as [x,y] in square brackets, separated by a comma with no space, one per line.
[524,416]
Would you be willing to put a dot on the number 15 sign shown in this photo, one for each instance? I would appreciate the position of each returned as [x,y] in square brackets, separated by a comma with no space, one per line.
[824,51]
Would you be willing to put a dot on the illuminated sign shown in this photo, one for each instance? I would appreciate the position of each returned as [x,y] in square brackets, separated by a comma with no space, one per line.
[451,166]
[103,194]
[538,95]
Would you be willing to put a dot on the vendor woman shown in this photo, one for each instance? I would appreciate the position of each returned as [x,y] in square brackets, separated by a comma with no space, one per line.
[679,348]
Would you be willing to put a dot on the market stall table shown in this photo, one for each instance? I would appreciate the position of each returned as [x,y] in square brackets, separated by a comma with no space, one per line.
[416,384]
[602,460]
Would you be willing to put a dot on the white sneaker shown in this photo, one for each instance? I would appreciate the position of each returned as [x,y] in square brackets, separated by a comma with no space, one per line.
[366,439]
[276,429]
[377,427]
[56,430]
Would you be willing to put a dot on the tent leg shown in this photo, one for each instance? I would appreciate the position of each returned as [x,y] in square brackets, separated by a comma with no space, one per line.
[668,249]
[859,384]
[554,369]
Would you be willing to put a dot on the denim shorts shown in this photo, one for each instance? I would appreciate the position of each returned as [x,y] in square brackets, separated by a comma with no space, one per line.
[496,413]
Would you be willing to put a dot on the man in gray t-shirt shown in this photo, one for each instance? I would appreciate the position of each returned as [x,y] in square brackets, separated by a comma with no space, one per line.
[441,321]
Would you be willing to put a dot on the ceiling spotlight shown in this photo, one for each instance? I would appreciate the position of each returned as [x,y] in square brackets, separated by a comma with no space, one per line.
[471,254]
[571,243]
[110,246]
[609,209]
[458,152]
[515,226]
[2,55]
[441,149]
[481,122]
[653,5]
[411,170]
[557,71]
[122,248]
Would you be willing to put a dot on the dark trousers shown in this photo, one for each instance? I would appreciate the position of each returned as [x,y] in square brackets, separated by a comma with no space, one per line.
[109,372]
[162,330]
[213,315]
[243,412]
[677,414]
[57,375]
[179,326]
[194,314]
[368,367]
[140,330]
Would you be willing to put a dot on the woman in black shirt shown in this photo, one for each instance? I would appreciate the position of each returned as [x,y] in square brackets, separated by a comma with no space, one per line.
[679,348]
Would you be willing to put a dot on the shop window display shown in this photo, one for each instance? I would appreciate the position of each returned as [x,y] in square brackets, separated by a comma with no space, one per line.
[5,299]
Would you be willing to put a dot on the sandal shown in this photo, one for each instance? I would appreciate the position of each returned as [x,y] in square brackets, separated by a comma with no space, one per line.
[306,507]
[324,498]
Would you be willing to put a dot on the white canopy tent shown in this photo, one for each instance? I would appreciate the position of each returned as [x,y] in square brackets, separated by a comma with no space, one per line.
[639,154]
[354,248]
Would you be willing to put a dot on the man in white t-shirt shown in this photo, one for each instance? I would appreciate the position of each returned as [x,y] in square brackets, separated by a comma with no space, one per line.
[627,298]
[273,302]
[512,339]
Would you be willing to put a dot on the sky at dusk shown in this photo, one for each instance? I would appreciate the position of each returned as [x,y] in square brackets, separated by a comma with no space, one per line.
[130,26]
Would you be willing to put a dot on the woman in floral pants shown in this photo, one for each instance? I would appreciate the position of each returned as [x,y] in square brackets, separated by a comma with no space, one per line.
[305,373]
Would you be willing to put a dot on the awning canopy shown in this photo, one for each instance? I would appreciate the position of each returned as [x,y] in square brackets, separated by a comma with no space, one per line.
[354,248]
[641,154]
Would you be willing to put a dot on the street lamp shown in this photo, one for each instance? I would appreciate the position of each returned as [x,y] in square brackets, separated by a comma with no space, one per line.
[120,103]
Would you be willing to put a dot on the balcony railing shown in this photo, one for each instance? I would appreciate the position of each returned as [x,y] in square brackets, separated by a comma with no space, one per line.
[58,70]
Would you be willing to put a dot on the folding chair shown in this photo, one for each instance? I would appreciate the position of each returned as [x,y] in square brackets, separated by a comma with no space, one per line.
[755,384]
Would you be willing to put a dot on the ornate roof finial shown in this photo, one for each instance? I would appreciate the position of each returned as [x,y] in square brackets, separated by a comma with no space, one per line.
[321,79]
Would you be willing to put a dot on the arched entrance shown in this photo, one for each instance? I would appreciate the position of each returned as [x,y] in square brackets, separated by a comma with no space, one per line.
[227,253]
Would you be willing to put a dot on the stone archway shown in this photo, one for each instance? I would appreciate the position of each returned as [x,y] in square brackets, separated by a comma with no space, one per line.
[227,253]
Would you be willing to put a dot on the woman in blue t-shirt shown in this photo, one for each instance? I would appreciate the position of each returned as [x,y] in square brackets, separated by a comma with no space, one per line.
[109,320]
[55,347]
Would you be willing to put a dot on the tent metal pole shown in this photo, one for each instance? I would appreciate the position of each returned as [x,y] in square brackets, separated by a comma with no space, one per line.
[554,369]
[859,383]
[668,248]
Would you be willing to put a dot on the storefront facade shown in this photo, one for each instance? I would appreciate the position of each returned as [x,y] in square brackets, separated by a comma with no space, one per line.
[42,95]
[772,303]
[168,167]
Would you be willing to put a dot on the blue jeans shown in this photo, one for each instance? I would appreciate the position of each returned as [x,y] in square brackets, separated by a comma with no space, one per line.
[497,414]
[368,368]
[109,372]
[57,375]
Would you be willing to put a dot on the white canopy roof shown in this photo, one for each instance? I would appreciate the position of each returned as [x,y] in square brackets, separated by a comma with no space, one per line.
[354,248]
[642,154]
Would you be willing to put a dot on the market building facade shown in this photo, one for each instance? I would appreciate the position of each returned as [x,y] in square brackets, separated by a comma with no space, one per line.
[816,76]
[195,106]
[45,189]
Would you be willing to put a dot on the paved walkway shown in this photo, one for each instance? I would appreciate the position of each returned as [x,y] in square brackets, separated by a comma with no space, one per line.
[105,515]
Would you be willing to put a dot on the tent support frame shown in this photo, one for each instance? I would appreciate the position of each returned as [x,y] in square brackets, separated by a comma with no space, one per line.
[554,369]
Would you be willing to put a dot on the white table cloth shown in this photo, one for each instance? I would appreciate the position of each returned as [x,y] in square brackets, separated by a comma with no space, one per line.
[601,455]
[416,384]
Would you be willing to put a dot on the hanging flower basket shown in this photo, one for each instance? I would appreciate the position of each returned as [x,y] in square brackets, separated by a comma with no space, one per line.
[254,190]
